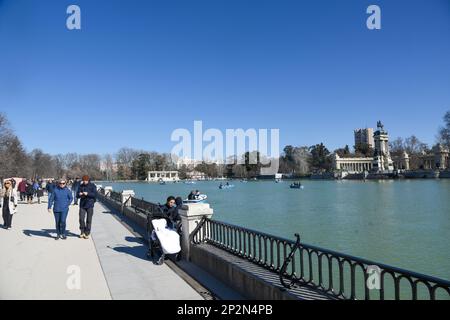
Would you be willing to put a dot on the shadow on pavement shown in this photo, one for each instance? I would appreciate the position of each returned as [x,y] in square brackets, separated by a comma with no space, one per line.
[137,251]
[141,251]
[46,233]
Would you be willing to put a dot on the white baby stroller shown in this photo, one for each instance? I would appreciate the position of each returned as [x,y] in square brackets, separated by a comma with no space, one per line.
[163,238]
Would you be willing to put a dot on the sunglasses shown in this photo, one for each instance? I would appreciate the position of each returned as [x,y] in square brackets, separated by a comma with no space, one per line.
[62,183]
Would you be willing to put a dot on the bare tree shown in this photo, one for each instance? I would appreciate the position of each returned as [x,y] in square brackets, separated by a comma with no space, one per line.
[444,132]
[13,158]
[43,165]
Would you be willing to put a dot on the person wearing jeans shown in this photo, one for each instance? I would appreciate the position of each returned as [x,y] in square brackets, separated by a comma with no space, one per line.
[75,186]
[87,193]
[60,200]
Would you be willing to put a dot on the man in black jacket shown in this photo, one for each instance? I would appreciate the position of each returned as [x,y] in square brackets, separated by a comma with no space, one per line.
[87,193]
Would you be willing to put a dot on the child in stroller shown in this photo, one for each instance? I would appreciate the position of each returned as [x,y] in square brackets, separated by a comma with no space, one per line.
[164,231]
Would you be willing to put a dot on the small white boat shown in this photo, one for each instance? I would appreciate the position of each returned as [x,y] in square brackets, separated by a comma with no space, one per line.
[226,186]
[200,199]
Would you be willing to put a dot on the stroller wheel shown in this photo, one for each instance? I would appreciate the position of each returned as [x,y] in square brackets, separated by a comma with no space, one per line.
[160,261]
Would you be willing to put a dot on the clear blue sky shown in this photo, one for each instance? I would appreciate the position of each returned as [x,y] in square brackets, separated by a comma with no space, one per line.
[139,69]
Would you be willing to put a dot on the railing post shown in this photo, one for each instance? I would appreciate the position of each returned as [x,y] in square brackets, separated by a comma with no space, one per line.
[126,197]
[108,191]
[191,214]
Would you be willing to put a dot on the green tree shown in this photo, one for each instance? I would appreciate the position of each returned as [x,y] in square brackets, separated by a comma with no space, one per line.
[210,169]
[320,158]
[343,152]
[141,166]
[363,150]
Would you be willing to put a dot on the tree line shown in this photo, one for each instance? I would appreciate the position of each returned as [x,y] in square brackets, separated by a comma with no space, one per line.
[133,164]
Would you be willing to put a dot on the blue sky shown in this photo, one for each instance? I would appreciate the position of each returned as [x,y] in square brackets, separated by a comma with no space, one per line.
[140,69]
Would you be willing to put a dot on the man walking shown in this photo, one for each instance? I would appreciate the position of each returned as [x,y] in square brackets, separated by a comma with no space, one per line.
[60,199]
[50,187]
[87,193]
[22,189]
[75,187]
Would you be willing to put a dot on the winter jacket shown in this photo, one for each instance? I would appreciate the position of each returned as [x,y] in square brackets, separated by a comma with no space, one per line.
[60,199]
[87,202]
[29,189]
[12,203]
[50,187]
[22,186]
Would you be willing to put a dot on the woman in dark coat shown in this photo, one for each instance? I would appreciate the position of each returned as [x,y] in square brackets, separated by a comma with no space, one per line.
[29,192]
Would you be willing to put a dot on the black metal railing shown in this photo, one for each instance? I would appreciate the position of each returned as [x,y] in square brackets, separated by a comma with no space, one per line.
[139,205]
[116,196]
[336,274]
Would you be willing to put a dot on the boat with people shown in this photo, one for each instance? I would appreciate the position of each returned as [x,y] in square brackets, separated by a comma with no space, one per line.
[226,186]
[296,185]
[201,198]
[189,182]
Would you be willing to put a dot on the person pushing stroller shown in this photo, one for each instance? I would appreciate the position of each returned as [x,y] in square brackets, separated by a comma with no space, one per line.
[164,236]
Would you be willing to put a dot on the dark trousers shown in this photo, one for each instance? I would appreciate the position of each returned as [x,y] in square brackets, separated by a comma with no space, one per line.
[7,216]
[86,220]
[60,221]
[75,198]
[22,196]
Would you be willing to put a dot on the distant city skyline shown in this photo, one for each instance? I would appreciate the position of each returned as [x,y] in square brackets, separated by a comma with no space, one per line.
[138,70]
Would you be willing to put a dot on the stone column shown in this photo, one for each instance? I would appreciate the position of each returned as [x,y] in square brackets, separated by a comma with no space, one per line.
[126,200]
[108,191]
[191,214]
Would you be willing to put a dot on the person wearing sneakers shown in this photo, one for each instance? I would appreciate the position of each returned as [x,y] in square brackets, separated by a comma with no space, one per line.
[87,193]
[60,199]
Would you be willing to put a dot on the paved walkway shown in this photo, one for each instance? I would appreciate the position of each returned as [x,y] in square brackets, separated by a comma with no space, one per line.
[111,264]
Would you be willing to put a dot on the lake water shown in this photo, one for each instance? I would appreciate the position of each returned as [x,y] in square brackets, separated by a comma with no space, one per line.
[401,223]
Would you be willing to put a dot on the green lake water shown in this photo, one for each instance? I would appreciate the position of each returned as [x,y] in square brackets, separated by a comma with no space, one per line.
[401,223]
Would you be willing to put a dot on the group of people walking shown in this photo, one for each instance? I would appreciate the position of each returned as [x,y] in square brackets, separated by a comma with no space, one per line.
[28,189]
[60,197]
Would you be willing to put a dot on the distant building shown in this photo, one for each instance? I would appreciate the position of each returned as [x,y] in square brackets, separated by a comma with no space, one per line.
[437,159]
[364,139]
[154,176]
[186,162]
[353,165]
[381,160]
[401,162]
[196,175]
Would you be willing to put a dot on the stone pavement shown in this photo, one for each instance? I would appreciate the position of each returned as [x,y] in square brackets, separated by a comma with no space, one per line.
[110,265]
